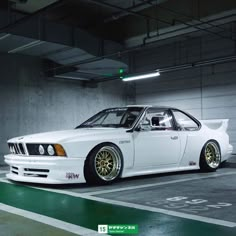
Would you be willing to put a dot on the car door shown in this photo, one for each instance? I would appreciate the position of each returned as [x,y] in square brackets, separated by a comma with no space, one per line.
[156,142]
[188,129]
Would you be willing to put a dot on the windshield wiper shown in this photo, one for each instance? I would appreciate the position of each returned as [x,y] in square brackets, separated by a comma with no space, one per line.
[111,125]
[84,126]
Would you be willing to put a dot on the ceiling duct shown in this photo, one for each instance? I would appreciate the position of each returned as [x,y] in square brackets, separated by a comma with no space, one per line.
[19,1]
[65,45]
[31,6]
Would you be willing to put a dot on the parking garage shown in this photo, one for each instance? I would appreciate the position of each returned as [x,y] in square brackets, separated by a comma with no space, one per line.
[64,61]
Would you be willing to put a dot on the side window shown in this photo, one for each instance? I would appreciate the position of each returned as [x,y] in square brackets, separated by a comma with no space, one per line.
[159,119]
[184,121]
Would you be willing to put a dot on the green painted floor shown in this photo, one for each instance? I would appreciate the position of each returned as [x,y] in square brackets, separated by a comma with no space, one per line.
[13,225]
[89,214]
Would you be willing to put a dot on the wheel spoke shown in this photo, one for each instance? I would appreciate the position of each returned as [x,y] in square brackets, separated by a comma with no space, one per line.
[107,163]
[212,155]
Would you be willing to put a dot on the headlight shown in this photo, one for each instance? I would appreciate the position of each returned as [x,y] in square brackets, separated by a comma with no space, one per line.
[44,149]
[50,150]
[41,150]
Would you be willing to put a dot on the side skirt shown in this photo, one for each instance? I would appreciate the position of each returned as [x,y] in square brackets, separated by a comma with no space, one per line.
[136,172]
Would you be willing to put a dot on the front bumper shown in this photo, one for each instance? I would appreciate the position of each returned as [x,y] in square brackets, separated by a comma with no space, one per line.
[46,170]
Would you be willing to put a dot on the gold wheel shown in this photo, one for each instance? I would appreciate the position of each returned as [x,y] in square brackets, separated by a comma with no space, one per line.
[107,163]
[212,155]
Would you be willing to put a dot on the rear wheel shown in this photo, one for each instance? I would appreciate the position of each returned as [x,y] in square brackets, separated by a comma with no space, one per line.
[210,158]
[103,165]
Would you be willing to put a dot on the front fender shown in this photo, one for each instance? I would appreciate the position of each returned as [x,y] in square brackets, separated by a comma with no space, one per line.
[81,148]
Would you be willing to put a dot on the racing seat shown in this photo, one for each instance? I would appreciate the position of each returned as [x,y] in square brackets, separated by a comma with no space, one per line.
[158,122]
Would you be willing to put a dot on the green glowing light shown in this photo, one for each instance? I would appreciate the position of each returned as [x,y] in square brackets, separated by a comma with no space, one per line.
[121,71]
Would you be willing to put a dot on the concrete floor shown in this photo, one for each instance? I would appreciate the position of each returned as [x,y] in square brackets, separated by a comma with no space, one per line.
[186,203]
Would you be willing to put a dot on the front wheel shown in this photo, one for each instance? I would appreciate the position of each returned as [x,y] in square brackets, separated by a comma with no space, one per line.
[103,165]
[210,158]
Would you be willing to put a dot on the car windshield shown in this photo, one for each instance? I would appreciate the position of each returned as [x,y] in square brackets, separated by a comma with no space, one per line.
[115,117]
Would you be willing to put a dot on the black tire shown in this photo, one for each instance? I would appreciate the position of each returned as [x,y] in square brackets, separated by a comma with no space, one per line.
[103,165]
[210,157]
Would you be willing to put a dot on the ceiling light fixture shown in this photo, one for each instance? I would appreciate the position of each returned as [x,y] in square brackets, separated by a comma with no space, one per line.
[144,76]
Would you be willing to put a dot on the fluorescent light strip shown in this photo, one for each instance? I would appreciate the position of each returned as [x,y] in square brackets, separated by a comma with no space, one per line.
[145,76]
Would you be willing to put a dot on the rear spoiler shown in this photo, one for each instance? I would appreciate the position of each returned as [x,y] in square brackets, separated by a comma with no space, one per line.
[218,124]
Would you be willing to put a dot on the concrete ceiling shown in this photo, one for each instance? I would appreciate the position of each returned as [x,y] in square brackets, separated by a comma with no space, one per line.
[93,39]
[27,6]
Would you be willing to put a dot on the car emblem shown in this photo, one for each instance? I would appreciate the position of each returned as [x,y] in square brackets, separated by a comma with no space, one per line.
[124,141]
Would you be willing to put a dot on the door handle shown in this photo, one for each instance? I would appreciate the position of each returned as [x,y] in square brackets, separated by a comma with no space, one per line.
[174,137]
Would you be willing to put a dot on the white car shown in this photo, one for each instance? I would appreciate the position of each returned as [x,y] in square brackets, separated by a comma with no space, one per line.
[118,143]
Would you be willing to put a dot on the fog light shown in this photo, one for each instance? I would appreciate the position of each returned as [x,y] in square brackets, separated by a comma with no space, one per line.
[50,150]
[41,150]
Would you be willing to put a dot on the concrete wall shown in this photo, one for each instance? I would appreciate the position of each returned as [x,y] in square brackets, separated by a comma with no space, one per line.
[30,103]
[207,92]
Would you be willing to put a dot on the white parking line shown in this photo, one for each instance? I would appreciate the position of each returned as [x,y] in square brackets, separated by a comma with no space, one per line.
[167,212]
[49,221]
[87,194]
[158,184]
[3,179]
[147,208]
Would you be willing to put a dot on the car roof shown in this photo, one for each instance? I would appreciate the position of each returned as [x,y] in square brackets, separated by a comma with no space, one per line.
[154,106]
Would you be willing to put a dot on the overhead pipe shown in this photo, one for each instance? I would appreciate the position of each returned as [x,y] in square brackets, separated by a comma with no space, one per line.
[186,66]
[136,8]
[131,49]
[131,12]
[218,60]
[179,31]
[119,53]
[183,14]
[109,5]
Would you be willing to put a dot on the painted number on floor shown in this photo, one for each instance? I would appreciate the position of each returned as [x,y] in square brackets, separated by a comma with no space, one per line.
[189,205]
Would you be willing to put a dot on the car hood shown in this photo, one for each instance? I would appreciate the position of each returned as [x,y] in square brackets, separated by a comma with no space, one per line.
[66,135]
